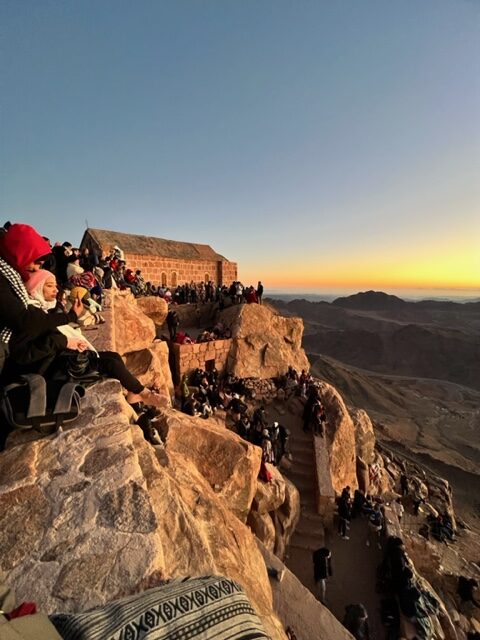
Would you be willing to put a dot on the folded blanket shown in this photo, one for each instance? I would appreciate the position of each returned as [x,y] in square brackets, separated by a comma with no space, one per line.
[189,608]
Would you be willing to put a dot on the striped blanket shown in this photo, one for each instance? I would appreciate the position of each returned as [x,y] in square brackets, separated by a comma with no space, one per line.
[183,609]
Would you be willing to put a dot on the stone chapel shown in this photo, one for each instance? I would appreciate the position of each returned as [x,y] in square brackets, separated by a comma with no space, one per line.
[166,262]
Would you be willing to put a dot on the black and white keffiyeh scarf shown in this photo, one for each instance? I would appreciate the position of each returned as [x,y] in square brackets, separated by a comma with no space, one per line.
[17,286]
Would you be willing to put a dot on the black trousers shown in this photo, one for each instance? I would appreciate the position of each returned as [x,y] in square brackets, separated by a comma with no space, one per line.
[110,364]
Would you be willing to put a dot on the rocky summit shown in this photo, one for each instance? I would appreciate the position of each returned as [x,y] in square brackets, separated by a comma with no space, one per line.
[94,512]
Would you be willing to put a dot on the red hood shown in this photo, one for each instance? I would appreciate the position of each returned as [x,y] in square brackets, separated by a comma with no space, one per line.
[21,245]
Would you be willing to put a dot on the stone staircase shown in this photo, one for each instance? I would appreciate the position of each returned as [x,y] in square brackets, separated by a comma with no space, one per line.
[309,534]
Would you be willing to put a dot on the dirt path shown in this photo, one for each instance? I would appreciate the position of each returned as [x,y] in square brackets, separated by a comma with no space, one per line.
[354,575]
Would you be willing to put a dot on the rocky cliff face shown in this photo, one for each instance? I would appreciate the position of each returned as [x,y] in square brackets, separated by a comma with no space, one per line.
[91,514]
[95,512]
[264,343]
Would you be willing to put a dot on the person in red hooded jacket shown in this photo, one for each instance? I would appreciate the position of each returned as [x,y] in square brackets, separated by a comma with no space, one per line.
[25,329]
[29,333]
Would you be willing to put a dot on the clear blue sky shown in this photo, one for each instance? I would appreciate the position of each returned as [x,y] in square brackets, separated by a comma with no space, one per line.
[316,139]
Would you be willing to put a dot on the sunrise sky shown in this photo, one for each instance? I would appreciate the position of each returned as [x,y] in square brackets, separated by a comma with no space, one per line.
[319,144]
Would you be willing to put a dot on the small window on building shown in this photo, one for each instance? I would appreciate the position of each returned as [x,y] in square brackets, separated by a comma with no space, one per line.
[164,279]
[174,279]
[207,277]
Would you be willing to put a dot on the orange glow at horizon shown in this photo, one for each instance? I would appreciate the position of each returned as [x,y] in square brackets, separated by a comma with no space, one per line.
[439,269]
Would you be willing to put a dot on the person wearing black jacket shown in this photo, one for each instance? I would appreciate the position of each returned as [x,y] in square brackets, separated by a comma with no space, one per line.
[322,570]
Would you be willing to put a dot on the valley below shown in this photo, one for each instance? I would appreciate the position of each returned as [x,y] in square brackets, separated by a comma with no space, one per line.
[415,368]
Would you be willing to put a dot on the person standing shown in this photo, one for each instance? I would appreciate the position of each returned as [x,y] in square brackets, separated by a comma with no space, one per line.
[322,570]
[172,323]
[259,292]
[344,515]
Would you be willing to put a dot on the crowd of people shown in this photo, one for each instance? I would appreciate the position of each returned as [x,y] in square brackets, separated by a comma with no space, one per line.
[85,268]
[40,333]
[203,292]
[360,506]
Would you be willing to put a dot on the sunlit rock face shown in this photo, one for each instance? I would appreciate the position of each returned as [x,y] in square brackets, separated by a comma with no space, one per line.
[264,343]
[105,518]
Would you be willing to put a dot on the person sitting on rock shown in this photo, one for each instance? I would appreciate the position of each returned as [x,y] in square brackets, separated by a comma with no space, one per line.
[203,406]
[91,315]
[236,407]
[33,335]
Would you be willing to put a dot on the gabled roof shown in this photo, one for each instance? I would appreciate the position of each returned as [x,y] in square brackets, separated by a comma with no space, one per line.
[148,246]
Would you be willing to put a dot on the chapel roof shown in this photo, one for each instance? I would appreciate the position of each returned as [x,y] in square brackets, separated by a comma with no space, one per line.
[151,246]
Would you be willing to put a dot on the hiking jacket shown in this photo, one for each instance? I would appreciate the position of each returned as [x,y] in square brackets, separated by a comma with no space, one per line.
[322,564]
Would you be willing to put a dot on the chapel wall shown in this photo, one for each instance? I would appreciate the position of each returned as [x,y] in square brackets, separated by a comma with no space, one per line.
[189,357]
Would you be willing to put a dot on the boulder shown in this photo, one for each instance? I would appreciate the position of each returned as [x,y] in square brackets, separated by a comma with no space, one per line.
[264,343]
[287,517]
[270,495]
[364,435]
[132,329]
[263,527]
[275,512]
[152,368]
[154,307]
[105,519]
[228,463]
[340,440]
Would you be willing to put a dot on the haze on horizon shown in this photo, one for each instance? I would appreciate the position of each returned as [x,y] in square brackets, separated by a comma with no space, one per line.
[318,144]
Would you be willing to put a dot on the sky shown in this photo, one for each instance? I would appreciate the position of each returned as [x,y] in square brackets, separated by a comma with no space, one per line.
[318,144]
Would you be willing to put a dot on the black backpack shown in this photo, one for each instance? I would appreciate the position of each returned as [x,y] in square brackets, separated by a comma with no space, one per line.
[35,403]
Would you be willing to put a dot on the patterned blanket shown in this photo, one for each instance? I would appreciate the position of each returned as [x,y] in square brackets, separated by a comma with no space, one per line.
[183,609]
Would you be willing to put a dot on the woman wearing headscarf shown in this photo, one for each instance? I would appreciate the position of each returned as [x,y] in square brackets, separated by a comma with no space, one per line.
[35,337]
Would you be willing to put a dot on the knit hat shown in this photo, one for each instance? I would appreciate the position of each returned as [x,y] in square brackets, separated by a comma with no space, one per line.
[21,245]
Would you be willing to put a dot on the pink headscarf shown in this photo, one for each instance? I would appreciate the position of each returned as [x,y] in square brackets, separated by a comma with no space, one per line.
[35,284]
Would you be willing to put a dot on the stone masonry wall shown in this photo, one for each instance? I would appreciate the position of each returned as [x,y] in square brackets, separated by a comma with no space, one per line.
[177,272]
[189,357]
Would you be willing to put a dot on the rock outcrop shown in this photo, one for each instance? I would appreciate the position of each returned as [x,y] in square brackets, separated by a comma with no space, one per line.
[275,512]
[133,330]
[106,519]
[154,308]
[364,435]
[227,462]
[151,367]
[131,333]
[340,440]
[264,343]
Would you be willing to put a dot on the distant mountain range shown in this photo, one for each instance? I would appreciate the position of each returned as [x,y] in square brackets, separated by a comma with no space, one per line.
[383,333]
